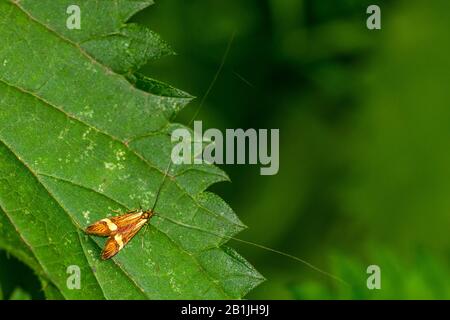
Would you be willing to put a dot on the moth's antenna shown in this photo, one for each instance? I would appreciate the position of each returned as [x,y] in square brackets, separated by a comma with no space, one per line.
[202,102]
[161,185]
[290,256]
[216,76]
[205,96]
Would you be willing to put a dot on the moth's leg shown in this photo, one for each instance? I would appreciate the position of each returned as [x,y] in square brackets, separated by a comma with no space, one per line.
[145,228]
[142,237]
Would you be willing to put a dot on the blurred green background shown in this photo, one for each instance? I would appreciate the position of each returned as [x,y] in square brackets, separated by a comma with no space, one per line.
[364,119]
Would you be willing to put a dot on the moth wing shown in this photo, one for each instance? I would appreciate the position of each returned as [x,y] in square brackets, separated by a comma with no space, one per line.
[117,241]
[131,232]
[109,226]
[125,220]
[99,228]
[111,248]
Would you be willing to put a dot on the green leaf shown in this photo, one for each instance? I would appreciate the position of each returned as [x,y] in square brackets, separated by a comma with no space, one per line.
[20,294]
[11,241]
[78,140]
[128,49]
[50,291]
[14,273]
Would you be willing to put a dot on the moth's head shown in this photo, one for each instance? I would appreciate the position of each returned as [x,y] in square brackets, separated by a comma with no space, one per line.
[147,214]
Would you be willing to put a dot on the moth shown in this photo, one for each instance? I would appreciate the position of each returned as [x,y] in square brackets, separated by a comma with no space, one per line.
[119,230]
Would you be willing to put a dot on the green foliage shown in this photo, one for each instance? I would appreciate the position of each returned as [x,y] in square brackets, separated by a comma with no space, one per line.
[399,183]
[20,294]
[420,278]
[78,140]
[14,274]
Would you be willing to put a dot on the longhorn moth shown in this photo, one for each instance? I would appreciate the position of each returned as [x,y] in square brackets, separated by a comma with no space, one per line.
[119,230]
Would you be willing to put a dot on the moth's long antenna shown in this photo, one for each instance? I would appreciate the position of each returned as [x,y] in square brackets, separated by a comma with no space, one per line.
[161,185]
[216,76]
[202,102]
[205,96]
[290,256]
